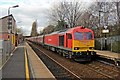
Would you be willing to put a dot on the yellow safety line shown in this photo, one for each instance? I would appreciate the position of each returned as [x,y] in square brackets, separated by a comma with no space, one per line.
[26,67]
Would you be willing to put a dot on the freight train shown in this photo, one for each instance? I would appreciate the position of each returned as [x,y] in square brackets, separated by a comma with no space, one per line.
[75,43]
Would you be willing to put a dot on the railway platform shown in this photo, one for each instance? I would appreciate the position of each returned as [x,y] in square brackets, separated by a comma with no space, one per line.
[109,55]
[15,65]
[24,64]
[39,70]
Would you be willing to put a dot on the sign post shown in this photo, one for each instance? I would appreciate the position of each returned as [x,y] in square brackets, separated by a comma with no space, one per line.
[105,31]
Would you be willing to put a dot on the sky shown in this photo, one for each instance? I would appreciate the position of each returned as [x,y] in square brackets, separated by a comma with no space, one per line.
[28,12]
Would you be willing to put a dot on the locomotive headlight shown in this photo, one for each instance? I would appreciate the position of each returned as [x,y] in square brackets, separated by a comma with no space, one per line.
[76,48]
[91,48]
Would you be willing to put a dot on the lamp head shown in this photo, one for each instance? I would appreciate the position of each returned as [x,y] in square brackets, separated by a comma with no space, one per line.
[15,6]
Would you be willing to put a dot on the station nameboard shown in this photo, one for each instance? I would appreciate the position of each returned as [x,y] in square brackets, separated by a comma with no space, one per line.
[105,31]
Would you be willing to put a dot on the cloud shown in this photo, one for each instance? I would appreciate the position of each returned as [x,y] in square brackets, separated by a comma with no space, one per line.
[27,12]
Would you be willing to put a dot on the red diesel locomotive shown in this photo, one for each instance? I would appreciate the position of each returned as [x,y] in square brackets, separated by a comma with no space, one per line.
[75,43]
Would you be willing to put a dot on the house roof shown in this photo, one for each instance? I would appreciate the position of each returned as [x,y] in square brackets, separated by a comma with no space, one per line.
[7,16]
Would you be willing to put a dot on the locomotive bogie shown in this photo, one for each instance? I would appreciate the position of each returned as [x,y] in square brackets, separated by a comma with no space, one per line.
[82,56]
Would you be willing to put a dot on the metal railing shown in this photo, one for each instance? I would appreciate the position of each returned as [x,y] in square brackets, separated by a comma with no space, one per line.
[113,43]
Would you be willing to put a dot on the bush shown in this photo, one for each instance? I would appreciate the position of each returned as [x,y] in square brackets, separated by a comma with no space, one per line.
[97,45]
[109,47]
[116,46]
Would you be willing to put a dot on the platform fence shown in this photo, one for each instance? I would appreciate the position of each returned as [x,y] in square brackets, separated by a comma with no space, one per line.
[113,43]
[5,49]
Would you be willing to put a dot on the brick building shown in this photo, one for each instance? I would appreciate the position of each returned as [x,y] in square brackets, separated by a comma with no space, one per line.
[7,38]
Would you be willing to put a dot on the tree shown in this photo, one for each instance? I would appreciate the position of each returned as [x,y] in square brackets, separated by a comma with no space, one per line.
[118,11]
[34,29]
[102,14]
[19,30]
[68,11]
[61,25]
[48,29]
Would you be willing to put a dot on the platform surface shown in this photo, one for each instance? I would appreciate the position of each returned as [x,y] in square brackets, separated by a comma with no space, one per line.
[15,66]
[108,54]
[39,70]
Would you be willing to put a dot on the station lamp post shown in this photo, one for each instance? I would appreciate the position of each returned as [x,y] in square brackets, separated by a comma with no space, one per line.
[10,24]
[12,7]
[9,18]
[105,31]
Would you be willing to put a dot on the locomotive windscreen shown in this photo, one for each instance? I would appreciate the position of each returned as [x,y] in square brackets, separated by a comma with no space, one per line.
[82,35]
[88,35]
[78,35]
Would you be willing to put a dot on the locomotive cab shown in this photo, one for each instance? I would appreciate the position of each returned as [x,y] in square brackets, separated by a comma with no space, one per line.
[83,41]
[83,44]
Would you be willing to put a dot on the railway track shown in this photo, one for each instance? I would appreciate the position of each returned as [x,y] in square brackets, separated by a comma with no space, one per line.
[109,71]
[107,66]
[58,70]
[91,71]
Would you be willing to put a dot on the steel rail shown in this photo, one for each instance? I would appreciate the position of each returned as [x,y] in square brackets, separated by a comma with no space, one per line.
[59,64]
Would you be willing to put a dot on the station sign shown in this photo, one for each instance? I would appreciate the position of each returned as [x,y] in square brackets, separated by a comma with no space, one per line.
[105,31]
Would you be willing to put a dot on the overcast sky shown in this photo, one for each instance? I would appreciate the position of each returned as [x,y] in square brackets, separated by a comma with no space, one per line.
[28,11]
